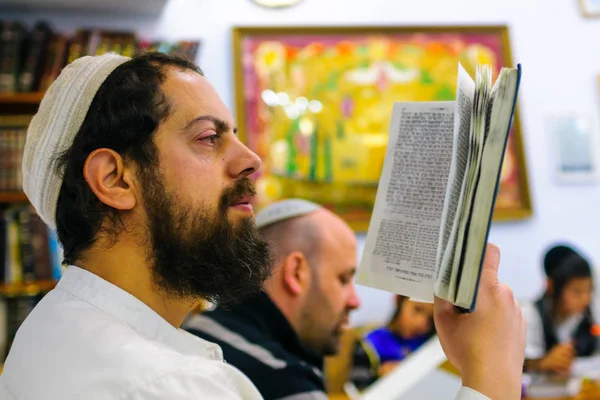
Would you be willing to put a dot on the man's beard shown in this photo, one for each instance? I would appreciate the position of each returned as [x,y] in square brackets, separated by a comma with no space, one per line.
[320,337]
[200,253]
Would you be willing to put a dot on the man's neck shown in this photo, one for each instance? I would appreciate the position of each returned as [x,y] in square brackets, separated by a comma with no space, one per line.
[126,266]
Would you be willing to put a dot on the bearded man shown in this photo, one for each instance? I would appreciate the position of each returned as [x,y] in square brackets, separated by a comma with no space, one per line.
[137,165]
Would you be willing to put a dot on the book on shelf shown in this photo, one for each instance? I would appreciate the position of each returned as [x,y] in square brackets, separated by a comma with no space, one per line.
[435,200]
[31,59]
[30,261]
[13,130]
[29,250]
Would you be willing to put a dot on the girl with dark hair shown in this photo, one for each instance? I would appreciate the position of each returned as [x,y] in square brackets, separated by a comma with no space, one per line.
[378,351]
[561,324]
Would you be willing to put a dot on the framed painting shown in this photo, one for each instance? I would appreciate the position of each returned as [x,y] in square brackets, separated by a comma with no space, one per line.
[315,103]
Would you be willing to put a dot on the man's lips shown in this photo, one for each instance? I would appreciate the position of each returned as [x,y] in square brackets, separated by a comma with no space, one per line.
[243,204]
[247,199]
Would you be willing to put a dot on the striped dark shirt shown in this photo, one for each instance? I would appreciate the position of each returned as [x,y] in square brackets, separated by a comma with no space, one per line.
[257,339]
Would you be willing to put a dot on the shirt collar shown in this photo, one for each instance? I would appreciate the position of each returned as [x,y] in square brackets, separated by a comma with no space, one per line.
[130,310]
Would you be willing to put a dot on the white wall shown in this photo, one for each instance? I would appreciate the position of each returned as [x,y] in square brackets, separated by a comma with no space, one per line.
[557,48]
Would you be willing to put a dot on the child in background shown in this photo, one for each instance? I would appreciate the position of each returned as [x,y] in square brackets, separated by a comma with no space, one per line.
[379,351]
[561,324]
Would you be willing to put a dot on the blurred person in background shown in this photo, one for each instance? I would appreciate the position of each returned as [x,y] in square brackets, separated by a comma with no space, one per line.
[379,351]
[562,323]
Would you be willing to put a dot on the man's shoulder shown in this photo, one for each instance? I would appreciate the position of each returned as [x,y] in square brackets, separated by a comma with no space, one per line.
[199,377]
[128,363]
[275,371]
[191,378]
[239,338]
[89,351]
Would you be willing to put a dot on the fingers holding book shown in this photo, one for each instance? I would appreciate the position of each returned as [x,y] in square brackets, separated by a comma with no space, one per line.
[487,346]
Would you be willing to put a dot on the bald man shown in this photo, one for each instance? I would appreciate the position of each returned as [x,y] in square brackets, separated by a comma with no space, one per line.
[279,338]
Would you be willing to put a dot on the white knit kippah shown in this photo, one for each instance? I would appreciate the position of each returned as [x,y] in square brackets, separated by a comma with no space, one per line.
[284,209]
[53,128]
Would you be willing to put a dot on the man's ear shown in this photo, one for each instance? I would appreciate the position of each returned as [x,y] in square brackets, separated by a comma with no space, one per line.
[110,180]
[296,273]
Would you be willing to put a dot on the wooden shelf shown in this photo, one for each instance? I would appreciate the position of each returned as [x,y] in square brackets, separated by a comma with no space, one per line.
[150,8]
[13,197]
[26,288]
[21,98]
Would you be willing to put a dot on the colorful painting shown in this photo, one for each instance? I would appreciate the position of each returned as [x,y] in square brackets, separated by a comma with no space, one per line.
[315,104]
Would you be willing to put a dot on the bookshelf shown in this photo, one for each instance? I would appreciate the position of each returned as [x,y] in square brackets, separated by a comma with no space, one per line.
[32,288]
[13,197]
[33,99]
[19,103]
[18,297]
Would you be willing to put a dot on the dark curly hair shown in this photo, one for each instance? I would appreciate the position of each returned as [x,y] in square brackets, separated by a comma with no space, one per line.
[123,116]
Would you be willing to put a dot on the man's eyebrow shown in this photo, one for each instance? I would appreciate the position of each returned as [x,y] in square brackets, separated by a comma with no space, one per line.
[220,124]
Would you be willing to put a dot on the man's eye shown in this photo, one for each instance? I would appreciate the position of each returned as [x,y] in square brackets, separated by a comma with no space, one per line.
[210,137]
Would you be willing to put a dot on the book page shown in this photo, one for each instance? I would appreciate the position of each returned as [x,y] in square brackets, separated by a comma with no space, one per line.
[483,84]
[465,92]
[402,241]
[502,110]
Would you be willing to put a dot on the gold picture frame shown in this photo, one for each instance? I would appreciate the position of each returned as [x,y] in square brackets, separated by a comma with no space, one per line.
[284,61]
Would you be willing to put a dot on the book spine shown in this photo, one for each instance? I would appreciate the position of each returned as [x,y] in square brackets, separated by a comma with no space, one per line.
[13,271]
[29,79]
[55,254]
[41,250]
[13,42]
[3,247]
[4,155]
[26,245]
[14,156]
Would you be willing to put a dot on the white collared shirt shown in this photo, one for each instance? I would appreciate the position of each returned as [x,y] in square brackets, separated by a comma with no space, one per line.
[88,339]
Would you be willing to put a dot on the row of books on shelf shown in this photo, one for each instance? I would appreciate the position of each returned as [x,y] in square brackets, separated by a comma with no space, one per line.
[13,130]
[30,265]
[29,250]
[31,59]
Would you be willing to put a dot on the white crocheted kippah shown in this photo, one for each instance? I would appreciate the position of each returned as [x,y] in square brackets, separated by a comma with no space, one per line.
[53,128]
[283,210]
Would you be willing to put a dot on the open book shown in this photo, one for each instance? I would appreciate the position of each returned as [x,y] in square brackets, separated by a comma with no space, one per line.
[437,190]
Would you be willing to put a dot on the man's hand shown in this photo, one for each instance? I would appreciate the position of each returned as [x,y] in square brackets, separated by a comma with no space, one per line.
[486,346]
[559,359]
